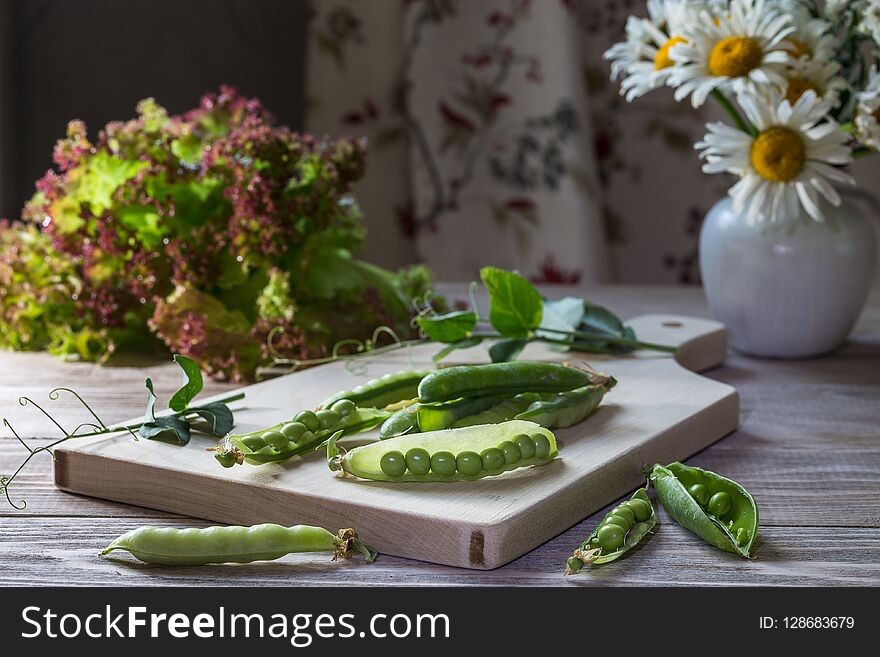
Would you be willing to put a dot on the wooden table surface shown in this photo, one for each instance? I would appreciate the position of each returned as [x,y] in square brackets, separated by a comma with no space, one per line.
[808,449]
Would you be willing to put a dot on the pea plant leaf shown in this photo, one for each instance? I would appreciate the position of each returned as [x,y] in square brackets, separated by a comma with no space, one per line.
[507,350]
[448,328]
[467,343]
[170,429]
[516,307]
[192,383]
[217,415]
[560,318]
[601,322]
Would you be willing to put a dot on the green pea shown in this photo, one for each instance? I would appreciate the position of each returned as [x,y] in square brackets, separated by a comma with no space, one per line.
[720,504]
[492,459]
[469,463]
[225,459]
[294,430]
[393,463]
[615,519]
[308,418]
[275,438]
[306,438]
[641,509]
[610,537]
[253,443]
[344,407]
[526,445]
[542,446]
[418,461]
[328,418]
[443,464]
[700,493]
[626,513]
[574,565]
[511,452]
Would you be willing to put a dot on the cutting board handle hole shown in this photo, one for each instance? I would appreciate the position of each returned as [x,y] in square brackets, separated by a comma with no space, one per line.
[671,324]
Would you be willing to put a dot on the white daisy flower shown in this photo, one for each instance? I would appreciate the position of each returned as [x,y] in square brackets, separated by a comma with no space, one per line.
[813,38]
[821,77]
[741,49]
[644,56]
[868,112]
[791,161]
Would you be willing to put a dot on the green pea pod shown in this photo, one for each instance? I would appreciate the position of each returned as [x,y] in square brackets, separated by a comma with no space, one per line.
[380,392]
[715,508]
[500,378]
[567,408]
[403,422]
[169,546]
[305,433]
[621,530]
[503,411]
[434,417]
[468,454]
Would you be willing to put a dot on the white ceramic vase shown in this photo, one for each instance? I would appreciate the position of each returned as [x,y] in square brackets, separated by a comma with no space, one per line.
[793,289]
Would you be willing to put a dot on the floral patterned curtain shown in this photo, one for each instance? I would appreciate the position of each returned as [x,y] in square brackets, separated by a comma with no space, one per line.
[496,137]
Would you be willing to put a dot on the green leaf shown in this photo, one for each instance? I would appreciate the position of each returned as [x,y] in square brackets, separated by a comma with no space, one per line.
[144,221]
[217,415]
[467,343]
[188,149]
[516,307]
[192,383]
[451,327]
[562,315]
[150,414]
[170,430]
[507,350]
[600,320]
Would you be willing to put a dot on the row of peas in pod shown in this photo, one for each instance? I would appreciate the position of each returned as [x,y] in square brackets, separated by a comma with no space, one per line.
[427,402]
[715,508]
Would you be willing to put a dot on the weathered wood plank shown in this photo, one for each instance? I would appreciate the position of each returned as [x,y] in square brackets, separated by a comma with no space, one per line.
[33,554]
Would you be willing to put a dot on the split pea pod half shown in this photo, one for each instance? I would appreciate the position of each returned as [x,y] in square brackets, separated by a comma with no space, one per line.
[168,546]
[306,432]
[466,454]
[715,508]
[443,415]
[503,411]
[567,408]
[620,530]
[500,378]
[380,392]
[403,422]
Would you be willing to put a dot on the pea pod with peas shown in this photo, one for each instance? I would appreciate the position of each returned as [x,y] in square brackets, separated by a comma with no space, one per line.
[169,546]
[306,432]
[715,508]
[620,530]
[469,453]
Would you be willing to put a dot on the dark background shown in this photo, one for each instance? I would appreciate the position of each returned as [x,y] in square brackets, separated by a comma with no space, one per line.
[95,59]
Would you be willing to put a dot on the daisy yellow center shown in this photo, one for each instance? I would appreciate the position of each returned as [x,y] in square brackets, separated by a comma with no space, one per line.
[735,57]
[778,154]
[798,48]
[662,59]
[797,87]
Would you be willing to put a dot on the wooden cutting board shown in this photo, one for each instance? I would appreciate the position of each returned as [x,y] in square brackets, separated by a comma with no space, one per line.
[660,411]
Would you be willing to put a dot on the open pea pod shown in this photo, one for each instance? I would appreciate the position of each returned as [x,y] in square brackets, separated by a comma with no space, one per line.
[305,433]
[715,508]
[620,530]
[468,453]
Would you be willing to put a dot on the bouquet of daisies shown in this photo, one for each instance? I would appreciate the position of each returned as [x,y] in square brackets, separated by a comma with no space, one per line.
[799,79]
